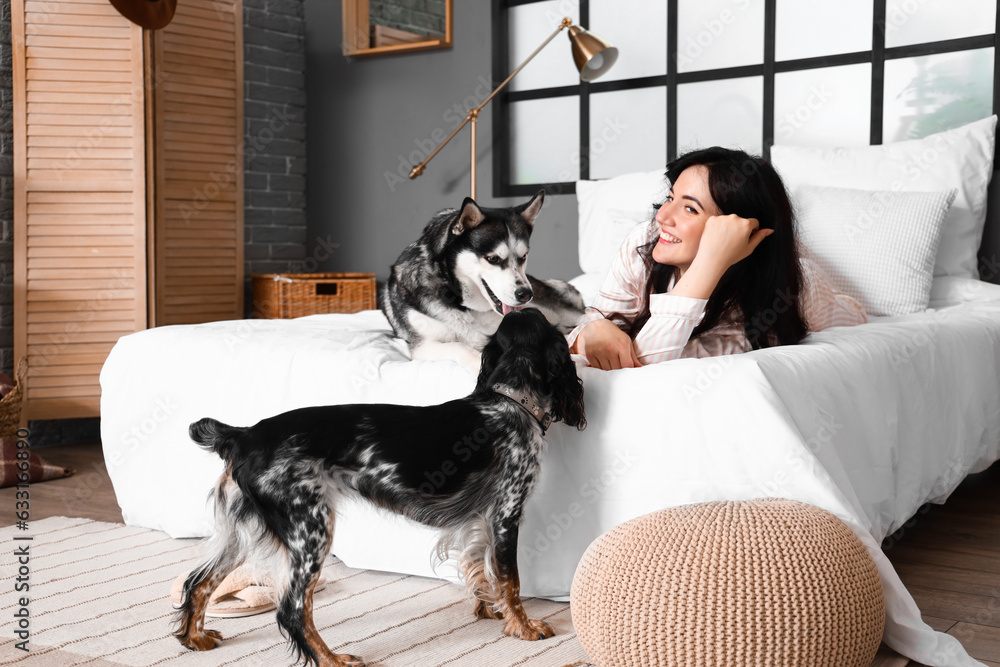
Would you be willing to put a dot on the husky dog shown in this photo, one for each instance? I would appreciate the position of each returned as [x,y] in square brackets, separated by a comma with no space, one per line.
[448,291]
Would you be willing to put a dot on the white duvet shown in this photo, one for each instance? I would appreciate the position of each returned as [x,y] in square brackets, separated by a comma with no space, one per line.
[868,422]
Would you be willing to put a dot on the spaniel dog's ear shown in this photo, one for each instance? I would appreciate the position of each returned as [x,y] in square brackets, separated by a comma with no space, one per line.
[566,385]
[490,359]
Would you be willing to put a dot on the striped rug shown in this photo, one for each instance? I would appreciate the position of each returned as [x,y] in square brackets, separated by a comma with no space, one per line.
[100,596]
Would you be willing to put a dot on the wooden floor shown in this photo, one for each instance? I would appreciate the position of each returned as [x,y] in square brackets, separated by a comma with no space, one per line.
[948,556]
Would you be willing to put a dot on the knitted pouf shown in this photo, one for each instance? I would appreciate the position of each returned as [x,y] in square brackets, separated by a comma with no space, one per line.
[765,582]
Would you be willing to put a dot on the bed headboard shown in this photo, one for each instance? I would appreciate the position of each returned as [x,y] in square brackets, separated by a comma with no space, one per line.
[989,251]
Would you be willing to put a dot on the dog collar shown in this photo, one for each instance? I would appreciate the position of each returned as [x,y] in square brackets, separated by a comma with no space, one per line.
[527,403]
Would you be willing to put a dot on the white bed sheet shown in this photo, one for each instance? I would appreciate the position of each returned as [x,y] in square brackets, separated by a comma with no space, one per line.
[868,423]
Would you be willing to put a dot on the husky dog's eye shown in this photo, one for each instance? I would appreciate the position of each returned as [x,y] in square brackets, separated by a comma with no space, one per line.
[522,259]
[493,259]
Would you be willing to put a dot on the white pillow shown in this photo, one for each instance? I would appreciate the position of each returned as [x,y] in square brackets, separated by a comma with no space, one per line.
[609,209]
[961,158]
[876,246]
[951,291]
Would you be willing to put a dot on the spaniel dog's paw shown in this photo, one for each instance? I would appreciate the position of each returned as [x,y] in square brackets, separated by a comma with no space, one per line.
[529,631]
[203,641]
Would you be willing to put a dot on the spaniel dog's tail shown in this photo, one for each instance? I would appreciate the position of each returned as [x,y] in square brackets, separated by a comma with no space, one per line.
[215,436]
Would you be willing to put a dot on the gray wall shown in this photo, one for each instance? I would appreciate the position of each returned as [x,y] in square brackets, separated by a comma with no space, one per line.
[367,116]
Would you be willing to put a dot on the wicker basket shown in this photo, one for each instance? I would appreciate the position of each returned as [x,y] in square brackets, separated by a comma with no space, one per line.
[10,405]
[286,295]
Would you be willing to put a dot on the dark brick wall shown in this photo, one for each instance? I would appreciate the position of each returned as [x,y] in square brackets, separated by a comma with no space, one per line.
[275,189]
[423,17]
[275,178]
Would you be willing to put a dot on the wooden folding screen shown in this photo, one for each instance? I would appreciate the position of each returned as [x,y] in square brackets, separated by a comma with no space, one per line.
[79,197]
[196,76]
[123,214]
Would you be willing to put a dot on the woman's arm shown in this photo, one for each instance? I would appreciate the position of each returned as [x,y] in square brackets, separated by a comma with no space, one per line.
[672,318]
[603,342]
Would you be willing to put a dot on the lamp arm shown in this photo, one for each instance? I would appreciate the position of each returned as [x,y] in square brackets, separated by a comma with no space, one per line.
[419,169]
[566,22]
[474,113]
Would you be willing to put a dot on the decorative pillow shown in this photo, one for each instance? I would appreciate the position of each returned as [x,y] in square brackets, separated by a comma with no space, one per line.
[876,246]
[610,209]
[961,158]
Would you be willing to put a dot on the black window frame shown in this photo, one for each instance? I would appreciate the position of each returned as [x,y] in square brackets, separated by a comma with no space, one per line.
[876,56]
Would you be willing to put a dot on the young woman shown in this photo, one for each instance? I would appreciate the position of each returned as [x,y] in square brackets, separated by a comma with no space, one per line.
[717,271]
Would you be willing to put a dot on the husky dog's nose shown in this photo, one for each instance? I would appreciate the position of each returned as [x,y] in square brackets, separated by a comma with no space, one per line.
[523,294]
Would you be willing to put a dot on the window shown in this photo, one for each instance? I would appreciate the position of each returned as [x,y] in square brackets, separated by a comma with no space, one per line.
[740,73]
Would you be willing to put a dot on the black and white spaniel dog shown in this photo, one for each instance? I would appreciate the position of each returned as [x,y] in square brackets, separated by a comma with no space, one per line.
[466,466]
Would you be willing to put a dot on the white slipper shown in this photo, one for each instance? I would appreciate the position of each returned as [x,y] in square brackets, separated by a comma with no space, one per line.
[237,596]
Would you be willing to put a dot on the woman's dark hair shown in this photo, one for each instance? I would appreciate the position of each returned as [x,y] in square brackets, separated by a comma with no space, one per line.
[762,289]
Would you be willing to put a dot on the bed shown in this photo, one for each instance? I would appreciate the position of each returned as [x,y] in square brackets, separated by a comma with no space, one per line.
[867,422]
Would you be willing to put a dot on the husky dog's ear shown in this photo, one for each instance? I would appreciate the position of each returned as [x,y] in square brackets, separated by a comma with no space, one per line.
[529,211]
[468,218]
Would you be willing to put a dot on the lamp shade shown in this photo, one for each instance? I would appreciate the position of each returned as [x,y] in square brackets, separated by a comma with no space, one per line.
[593,55]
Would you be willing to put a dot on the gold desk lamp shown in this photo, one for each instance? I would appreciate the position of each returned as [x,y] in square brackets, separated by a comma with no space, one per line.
[593,57]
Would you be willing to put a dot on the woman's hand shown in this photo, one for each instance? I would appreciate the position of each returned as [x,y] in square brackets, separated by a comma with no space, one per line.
[728,239]
[606,346]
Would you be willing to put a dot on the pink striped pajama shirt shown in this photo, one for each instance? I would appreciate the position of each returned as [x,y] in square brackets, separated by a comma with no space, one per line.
[666,335]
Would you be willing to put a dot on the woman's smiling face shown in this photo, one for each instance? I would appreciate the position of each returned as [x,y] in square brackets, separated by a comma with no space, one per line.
[682,218]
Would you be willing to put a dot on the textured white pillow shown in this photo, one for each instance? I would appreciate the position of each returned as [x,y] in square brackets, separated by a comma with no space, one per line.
[609,209]
[961,158]
[876,246]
